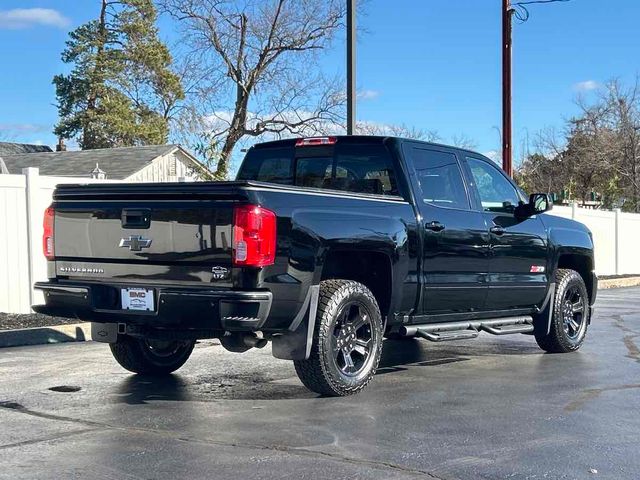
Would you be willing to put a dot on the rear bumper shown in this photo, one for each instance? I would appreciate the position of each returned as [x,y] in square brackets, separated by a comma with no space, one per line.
[175,308]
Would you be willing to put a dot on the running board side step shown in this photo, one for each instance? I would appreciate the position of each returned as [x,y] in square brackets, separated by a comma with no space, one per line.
[443,337]
[525,328]
[441,332]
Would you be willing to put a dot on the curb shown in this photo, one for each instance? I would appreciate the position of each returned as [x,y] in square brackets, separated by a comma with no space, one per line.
[77,332]
[618,282]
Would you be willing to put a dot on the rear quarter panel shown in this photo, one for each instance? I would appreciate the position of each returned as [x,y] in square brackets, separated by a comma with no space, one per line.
[312,224]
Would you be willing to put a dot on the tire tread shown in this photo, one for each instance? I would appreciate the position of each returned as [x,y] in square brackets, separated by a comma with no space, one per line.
[129,353]
[555,341]
[314,372]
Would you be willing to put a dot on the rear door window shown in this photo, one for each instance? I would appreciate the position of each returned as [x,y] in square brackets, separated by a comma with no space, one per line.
[439,178]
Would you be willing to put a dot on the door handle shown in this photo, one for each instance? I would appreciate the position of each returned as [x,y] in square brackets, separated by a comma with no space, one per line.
[434,226]
[497,230]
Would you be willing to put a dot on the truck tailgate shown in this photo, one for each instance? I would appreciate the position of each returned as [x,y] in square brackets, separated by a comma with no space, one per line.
[146,232]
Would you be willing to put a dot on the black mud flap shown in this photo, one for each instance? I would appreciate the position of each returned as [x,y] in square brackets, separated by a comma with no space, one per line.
[542,321]
[296,344]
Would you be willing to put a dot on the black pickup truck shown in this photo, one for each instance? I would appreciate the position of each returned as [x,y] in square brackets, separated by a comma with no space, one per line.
[322,246]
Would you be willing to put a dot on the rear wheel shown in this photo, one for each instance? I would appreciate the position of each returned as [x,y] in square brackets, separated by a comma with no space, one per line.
[570,316]
[347,341]
[152,357]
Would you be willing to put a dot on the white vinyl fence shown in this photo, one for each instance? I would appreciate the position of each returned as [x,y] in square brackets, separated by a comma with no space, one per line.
[23,200]
[615,235]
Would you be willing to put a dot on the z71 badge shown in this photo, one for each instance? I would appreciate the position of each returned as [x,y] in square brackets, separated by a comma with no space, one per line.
[219,273]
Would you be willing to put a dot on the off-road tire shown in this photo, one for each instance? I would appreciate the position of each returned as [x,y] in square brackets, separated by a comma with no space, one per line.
[319,372]
[557,340]
[135,355]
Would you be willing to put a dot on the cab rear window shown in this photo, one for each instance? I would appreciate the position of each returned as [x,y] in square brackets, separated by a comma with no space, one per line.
[271,165]
[358,168]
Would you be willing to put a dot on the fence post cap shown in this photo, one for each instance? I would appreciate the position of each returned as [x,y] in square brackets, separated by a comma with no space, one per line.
[31,171]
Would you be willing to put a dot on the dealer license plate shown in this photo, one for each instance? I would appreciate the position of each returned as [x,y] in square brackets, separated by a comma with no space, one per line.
[137,299]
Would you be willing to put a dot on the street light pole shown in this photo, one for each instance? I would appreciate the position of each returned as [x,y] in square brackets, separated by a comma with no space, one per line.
[507,12]
[351,66]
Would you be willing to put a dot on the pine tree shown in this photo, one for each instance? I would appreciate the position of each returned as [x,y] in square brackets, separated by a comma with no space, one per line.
[121,90]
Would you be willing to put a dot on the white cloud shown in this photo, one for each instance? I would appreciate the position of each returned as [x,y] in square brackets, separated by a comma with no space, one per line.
[20,18]
[586,86]
[24,128]
[368,94]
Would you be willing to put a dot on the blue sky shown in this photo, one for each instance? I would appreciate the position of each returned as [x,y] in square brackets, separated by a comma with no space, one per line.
[432,64]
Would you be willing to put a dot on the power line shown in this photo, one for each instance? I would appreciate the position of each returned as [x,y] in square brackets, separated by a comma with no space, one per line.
[541,1]
[521,12]
[517,9]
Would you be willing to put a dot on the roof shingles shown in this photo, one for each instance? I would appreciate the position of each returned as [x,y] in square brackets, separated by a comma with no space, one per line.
[118,163]
[9,148]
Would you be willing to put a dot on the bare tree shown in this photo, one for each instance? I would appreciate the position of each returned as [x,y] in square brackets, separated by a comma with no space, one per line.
[603,145]
[622,141]
[257,63]
[599,152]
[463,141]
[402,130]
[547,169]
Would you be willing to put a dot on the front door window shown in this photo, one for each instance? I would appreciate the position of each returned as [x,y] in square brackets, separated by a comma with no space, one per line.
[497,194]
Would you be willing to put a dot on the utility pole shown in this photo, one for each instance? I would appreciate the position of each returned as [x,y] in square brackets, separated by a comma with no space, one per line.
[507,163]
[351,66]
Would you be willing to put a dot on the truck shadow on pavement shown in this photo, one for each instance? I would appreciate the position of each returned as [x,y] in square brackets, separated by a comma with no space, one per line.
[256,384]
[400,355]
[141,389]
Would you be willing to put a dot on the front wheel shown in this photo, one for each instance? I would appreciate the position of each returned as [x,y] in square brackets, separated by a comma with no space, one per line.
[152,357]
[347,341]
[570,316]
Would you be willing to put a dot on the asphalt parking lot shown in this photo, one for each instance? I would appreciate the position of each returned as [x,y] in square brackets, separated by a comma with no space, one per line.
[493,408]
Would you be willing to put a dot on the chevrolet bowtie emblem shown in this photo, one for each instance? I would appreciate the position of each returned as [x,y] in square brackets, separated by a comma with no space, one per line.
[135,243]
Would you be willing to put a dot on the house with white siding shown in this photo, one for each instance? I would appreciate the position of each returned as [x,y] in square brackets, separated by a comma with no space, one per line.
[154,163]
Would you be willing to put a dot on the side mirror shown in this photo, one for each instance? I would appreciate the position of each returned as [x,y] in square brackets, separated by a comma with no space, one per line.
[538,203]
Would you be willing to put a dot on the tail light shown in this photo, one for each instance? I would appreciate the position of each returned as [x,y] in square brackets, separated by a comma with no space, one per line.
[47,236]
[254,236]
[308,142]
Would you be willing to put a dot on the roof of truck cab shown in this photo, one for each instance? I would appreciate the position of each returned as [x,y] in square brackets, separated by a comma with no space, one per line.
[287,142]
[356,139]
